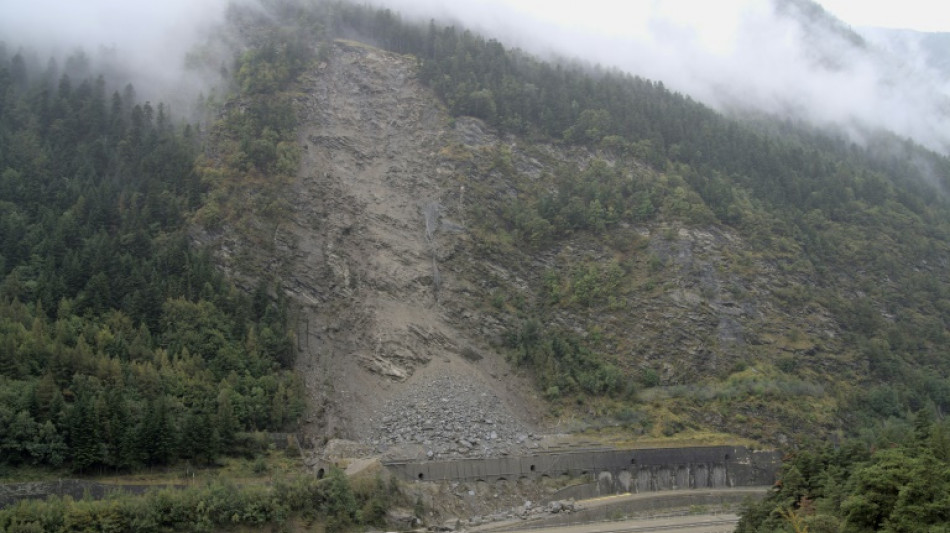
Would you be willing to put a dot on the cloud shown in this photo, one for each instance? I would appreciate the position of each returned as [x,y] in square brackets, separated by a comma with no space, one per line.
[726,54]
[148,39]
[156,31]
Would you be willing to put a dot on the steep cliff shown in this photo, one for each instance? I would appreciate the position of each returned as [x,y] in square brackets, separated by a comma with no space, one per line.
[373,221]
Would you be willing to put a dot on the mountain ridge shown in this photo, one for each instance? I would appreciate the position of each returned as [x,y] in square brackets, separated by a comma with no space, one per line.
[407,290]
[356,253]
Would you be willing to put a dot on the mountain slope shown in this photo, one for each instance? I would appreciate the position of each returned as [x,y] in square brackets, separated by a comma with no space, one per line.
[643,260]
[394,250]
[121,346]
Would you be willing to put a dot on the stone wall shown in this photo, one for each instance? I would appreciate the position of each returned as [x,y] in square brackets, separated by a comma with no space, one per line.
[613,471]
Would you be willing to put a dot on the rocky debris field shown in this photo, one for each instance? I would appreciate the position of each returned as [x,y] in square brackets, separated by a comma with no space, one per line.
[449,417]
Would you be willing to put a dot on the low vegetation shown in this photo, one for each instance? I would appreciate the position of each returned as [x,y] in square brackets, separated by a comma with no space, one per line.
[332,502]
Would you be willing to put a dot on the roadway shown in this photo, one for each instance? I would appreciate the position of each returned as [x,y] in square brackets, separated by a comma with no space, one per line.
[698,523]
[590,516]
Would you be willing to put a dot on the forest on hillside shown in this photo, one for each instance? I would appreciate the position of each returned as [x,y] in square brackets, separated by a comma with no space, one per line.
[896,480]
[122,344]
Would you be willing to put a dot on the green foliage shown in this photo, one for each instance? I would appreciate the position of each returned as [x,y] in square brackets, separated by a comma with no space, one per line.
[594,200]
[898,486]
[339,502]
[595,283]
[376,498]
[253,147]
[214,506]
[116,335]
[562,364]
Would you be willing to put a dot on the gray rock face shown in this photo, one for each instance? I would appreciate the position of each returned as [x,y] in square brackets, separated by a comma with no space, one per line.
[376,215]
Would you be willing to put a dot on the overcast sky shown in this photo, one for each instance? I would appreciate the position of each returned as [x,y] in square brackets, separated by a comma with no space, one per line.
[714,50]
[168,25]
[734,52]
[920,15]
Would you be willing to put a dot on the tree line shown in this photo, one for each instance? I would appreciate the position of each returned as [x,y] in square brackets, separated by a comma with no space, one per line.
[297,501]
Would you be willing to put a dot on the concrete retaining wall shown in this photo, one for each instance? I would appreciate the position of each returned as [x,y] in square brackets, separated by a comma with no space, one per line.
[613,470]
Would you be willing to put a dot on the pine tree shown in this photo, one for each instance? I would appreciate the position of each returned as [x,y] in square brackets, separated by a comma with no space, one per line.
[226,421]
[85,448]
[159,434]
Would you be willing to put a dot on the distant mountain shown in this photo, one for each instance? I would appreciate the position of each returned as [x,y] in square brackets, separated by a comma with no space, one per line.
[930,51]
[871,78]
[785,57]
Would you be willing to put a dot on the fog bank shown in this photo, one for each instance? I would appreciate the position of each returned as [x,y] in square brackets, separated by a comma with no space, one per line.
[780,56]
[784,57]
[147,41]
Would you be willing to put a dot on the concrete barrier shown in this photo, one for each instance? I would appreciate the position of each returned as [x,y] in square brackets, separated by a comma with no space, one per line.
[613,471]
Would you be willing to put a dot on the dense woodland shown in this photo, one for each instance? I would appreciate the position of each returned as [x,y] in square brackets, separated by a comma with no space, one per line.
[122,345]
[296,501]
[895,481]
